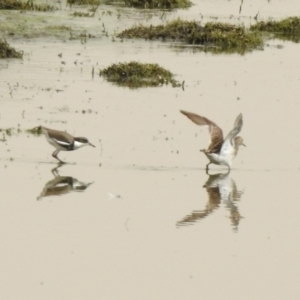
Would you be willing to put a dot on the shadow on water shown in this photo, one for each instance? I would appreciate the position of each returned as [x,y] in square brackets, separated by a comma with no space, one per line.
[61,185]
[219,187]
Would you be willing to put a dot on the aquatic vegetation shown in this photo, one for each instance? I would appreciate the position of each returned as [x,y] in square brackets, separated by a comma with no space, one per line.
[15,131]
[8,132]
[58,28]
[21,5]
[86,14]
[135,75]
[288,25]
[6,51]
[82,14]
[35,131]
[84,2]
[169,4]
[223,36]
[286,29]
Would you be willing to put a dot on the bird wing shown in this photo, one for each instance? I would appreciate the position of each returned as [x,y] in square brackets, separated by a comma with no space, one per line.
[62,138]
[228,142]
[216,134]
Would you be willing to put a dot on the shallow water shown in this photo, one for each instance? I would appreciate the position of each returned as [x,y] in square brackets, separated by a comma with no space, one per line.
[151,224]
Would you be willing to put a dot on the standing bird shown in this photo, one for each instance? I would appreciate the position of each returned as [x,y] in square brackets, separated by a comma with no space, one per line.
[220,151]
[63,141]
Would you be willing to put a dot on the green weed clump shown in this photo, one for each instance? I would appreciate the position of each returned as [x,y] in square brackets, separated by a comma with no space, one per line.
[6,51]
[286,29]
[135,75]
[217,36]
[21,5]
[167,4]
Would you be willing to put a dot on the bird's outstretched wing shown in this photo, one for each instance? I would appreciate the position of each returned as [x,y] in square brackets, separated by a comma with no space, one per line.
[238,124]
[229,146]
[216,134]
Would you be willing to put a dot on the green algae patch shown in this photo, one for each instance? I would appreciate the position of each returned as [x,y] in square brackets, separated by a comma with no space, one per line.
[136,75]
[217,37]
[286,29]
[160,4]
[29,5]
[6,51]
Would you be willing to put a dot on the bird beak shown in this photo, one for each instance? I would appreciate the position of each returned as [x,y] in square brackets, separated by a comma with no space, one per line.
[244,145]
[92,145]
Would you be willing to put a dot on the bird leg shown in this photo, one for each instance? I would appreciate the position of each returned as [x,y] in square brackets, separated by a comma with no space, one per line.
[54,154]
[55,171]
[207,167]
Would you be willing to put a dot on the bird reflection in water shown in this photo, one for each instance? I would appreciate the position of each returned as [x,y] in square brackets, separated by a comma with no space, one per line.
[61,185]
[219,187]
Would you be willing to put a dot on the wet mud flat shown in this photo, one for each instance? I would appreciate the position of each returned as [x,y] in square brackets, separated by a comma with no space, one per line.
[139,212]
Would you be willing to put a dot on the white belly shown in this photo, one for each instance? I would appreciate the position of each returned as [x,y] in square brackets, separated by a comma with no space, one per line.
[219,159]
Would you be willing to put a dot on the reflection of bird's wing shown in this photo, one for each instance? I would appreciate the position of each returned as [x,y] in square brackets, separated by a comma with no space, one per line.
[212,204]
[228,144]
[236,194]
[235,215]
[193,217]
[216,134]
